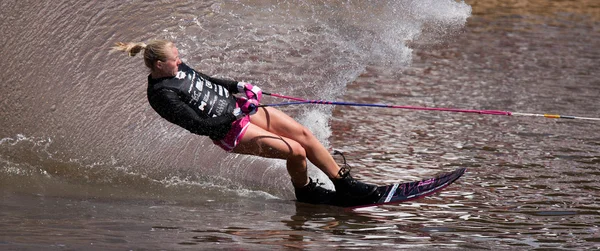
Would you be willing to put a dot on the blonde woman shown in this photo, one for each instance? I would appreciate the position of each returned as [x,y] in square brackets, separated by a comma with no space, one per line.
[206,106]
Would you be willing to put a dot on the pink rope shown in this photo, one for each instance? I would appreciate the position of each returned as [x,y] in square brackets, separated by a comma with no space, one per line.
[490,112]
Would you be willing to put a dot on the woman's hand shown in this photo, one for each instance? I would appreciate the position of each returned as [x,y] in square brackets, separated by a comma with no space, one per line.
[252,92]
[249,106]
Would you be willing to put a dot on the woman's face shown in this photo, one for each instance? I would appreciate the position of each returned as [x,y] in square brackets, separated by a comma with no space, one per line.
[169,67]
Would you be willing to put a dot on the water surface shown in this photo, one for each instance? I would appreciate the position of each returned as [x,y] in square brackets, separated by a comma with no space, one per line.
[86,164]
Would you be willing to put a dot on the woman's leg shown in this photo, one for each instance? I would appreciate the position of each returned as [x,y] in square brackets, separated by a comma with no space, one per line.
[279,123]
[260,142]
[274,134]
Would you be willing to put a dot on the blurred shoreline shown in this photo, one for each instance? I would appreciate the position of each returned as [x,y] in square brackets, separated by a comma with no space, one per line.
[589,9]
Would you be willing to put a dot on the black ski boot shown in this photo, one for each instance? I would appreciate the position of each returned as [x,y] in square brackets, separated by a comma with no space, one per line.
[351,192]
[314,194]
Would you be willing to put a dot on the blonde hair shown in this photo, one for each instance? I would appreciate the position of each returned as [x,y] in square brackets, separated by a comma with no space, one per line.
[153,51]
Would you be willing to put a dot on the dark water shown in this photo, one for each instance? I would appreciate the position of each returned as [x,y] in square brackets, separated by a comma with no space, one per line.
[86,164]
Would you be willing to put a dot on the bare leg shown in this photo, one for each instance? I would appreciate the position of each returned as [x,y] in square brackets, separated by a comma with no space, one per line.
[274,134]
[260,142]
[279,123]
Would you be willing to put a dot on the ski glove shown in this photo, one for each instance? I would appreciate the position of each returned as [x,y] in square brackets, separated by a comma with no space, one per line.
[249,106]
[252,92]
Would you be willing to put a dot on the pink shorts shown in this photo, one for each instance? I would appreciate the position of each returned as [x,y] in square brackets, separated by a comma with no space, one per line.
[237,131]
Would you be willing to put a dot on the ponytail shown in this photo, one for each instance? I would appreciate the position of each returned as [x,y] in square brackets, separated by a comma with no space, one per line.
[153,51]
[131,48]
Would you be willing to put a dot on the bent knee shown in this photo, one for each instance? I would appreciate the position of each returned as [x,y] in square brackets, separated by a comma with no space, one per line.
[297,151]
[304,136]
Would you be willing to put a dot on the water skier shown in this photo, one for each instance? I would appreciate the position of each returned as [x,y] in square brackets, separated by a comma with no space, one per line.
[205,106]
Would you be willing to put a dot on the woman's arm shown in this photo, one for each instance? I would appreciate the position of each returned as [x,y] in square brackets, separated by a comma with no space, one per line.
[168,105]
